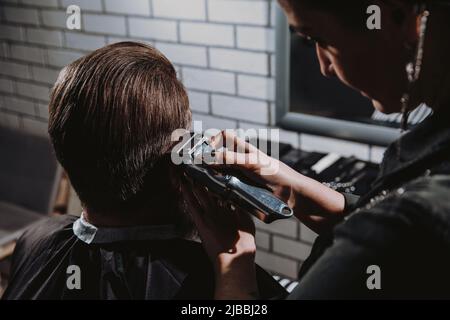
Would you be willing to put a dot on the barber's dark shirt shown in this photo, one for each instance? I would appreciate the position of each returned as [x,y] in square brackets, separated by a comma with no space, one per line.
[67,258]
[401,227]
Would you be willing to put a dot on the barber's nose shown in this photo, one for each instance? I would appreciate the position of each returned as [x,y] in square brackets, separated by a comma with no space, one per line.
[326,66]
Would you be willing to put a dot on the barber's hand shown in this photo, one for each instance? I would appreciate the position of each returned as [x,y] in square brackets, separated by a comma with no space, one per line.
[316,205]
[228,236]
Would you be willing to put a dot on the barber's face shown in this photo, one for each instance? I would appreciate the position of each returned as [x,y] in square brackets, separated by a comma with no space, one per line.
[369,61]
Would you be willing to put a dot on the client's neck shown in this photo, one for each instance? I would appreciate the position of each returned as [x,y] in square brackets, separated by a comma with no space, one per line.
[149,217]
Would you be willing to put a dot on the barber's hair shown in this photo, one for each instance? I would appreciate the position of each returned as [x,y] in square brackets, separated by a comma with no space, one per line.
[352,13]
[112,114]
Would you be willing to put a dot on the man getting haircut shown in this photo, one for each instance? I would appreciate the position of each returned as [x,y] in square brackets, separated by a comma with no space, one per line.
[112,114]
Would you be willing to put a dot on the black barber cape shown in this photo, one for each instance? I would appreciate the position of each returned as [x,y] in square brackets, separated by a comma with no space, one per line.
[65,257]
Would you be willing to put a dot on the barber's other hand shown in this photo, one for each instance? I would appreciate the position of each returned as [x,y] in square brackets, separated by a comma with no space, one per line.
[316,205]
[228,236]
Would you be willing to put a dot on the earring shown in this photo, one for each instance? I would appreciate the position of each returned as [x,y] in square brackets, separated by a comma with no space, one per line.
[413,70]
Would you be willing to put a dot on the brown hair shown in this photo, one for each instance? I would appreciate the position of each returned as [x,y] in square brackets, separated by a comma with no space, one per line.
[351,13]
[112,114]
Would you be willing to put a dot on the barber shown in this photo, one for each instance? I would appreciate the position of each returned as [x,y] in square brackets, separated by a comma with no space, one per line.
[402,226]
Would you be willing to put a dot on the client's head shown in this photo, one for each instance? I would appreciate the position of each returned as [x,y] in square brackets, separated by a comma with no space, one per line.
[112,114]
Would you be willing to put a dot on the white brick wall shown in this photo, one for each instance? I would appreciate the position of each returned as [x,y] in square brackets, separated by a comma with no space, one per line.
[19,105]
[239,61]
[27,53]
[21,15]
[262,240]
[276,263]
[89,5]
[80,41]
[207,33]
[184,54]
[250,110]
[6,85]
[209,80]
[291,248]
[3,52]
[54,18]
[45,37]
[30,90]
[180,9]
[105,24]
[9,120]
[3,49]
[11,1]
[210,122]
[153,29]
[238,11]
[256,87]
[11,33]
[42,110]
[287,228]
[61,58]
[199,101]
[224,54]
[14,69]
[44,75]
[307,234]
[41,3]
[256,38]
[137,7]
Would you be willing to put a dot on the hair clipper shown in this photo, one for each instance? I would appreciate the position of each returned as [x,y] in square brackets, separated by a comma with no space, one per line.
[262,203]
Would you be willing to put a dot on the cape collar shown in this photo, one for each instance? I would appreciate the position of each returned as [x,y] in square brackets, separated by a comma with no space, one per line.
[91,234]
